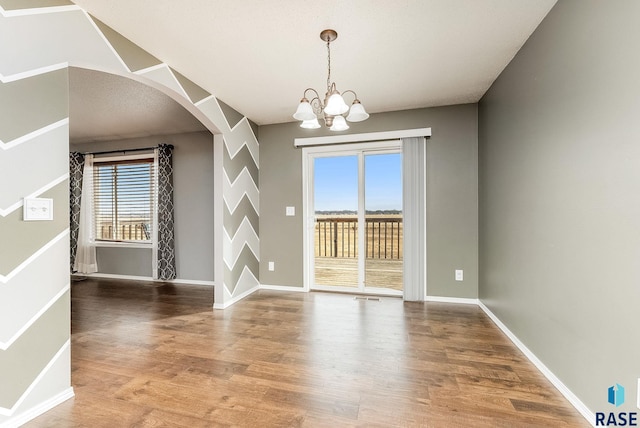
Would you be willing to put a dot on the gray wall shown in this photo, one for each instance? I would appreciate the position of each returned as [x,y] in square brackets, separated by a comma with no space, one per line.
[193,208]
[35,357]
[452,196]
[559,153]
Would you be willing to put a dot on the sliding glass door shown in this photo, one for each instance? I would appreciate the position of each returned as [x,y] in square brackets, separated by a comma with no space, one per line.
[357,233]
[383,221]
[336,248]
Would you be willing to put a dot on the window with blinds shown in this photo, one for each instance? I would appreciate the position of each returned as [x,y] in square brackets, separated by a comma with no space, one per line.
[124,200]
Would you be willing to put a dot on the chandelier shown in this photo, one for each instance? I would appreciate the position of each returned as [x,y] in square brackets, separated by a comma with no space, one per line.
[333,107]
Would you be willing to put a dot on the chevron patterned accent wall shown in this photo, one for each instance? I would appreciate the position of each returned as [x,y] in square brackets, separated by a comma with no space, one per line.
[34,279]
[42,38]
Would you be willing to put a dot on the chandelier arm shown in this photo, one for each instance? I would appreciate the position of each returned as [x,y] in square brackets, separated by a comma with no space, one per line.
[304,94]
[316,105]
[355,96]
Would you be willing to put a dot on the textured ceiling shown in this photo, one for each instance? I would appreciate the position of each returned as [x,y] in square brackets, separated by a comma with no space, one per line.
[106,107]
[259,56]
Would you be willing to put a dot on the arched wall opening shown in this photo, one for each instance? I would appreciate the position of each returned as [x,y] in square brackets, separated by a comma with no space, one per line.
[109,112]
[34,144]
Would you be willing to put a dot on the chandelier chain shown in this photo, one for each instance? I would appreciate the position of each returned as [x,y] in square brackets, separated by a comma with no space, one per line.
[328,64]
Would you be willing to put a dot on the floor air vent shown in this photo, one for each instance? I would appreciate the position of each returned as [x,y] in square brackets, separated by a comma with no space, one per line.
[376,299]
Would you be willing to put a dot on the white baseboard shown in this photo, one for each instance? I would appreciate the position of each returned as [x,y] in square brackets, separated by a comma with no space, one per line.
[566,392]
[145,278]
[282,288]
[236,299]
[34,412]
[191,282]
[112,276]
[459,300]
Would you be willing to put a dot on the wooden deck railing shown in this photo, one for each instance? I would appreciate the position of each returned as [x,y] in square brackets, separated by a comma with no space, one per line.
[338,237]
[130,231]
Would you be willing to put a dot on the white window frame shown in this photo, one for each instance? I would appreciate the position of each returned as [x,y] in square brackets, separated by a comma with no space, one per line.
[126,244]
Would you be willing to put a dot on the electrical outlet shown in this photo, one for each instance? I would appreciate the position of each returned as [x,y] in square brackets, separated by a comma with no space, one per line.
[459,275]
[272,266]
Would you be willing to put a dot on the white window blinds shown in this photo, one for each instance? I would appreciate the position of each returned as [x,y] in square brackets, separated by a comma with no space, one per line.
[124,200]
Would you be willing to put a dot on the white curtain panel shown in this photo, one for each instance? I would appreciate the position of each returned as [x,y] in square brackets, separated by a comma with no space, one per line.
[86,261]
[414,186]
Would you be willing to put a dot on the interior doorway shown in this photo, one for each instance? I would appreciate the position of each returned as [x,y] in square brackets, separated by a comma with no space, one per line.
[356,236]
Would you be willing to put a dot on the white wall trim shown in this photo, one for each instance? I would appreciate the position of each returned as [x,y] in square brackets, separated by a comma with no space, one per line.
[5,212]
[4,279]
[357,138]
[123,157]
[308,275]
[105,40]
[236,299]
[282,288]
[37,10]
[182,90]
[192,282]
[8,412]
[5,345]
[150,69]
[566,392]
[202,101]
[124,244]
[226,121]
[247,237]
[244,177]
[144,279]
[113,276]
[34,72]
[457,300]
[33,134]
[220,292]
[41,408]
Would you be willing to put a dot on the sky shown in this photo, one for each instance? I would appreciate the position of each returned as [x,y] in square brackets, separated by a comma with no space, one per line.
[336,183]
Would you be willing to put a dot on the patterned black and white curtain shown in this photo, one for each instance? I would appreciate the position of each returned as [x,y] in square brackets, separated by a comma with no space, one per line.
[164,253]
[76,165]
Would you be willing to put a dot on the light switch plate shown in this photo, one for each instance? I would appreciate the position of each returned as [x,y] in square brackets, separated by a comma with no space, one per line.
[37,209]
[272,266]
[291,211]
[459,275]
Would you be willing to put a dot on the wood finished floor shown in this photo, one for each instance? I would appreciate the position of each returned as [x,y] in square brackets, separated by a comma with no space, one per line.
[149,355]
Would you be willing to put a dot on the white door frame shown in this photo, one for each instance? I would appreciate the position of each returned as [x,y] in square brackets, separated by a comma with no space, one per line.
[308,143]
[309,154]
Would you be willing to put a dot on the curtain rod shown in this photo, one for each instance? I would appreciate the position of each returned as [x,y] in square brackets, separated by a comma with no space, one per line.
[125,150]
